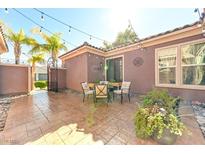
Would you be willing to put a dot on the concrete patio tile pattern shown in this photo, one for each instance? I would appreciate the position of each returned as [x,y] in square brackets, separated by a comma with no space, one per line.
[62,118]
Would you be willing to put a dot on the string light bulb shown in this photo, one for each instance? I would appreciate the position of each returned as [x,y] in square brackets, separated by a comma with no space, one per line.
[90,37]
[6,10]
[42,17]
[69,29]
[40,29]
[196,10]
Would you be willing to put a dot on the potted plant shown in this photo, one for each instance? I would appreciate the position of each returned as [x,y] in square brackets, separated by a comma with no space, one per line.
[157,118]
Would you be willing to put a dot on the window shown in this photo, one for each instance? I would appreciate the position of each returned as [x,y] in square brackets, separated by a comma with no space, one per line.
[167,66]
[193,64]
[182,66]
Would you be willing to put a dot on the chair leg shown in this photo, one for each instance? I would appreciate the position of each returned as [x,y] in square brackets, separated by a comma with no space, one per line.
[93,98]
[129,97]
[109,98]
[83,97]
[121,98]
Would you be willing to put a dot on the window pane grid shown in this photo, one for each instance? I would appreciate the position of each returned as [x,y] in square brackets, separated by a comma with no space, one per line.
[167,66]
[181,66]
[193,64]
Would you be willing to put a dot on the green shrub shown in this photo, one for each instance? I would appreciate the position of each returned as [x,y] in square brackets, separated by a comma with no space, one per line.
[157,113]
[141,123]
[40,84]
[97,81]
[160,98]
[112,80]
[147,123]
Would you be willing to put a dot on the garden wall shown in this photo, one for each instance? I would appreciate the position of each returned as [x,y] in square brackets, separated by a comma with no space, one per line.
[76,71]
[15,79]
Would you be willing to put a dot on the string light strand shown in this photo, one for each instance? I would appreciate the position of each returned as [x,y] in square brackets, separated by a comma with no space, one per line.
[69,26]
[41,27]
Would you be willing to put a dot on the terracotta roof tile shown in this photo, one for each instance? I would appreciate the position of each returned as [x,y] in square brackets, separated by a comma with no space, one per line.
[84,44]
[138,41]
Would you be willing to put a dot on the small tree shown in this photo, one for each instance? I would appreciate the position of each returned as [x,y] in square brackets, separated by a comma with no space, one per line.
[18,39]
[52,45]
[128,36]
[35,58]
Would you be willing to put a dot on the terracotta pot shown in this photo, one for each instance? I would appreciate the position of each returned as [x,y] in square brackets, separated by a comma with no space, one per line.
[166,139]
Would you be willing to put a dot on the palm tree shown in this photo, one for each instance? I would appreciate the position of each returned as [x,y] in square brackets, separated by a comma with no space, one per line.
[18,39]
[52,45]
[35,58]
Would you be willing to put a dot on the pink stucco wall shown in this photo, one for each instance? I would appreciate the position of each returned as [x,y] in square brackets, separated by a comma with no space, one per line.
[95,64]
[143,76]
[85,67]
[14,79]
[76,71]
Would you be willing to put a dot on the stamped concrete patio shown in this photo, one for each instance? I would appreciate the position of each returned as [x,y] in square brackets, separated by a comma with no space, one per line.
[62,118]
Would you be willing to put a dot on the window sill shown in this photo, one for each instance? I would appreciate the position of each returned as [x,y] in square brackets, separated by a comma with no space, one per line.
[181,87]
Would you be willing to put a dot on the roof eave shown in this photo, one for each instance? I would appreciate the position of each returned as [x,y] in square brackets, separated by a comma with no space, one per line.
[3,45]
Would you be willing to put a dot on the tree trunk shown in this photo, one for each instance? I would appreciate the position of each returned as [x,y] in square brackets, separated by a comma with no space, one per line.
[54,58]
[17,59]
[17,52]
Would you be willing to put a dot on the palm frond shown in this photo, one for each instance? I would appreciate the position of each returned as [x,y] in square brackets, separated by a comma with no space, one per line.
[38,48]
[38,58]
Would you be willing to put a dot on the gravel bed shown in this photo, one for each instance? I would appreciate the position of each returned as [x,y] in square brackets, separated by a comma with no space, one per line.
[199,110]
[4,107]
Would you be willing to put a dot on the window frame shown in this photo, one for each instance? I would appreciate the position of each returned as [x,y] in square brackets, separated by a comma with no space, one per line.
[157,68]
[179,66]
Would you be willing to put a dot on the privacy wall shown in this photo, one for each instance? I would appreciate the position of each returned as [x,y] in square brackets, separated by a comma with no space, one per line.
[15,79]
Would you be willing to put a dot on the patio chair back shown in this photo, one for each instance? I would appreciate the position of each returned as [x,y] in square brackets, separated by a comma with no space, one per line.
[101,91]
[103,82]
[125,86]
[85,86]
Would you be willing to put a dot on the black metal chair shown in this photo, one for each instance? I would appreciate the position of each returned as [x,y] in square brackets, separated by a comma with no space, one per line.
[125,89]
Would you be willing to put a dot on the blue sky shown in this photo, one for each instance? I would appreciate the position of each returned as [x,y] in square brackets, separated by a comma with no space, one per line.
[104,23]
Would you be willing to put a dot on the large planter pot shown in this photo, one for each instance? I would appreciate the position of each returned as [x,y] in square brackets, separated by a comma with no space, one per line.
[167,137]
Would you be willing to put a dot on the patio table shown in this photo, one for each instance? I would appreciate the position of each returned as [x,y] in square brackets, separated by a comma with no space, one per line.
[110,84]
[111,87]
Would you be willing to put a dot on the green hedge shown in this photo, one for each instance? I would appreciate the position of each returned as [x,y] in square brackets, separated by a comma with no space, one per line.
[40,84]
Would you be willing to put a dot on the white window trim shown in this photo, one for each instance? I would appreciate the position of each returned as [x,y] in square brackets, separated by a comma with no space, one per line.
[157,68]
[179,76]
[114,57]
